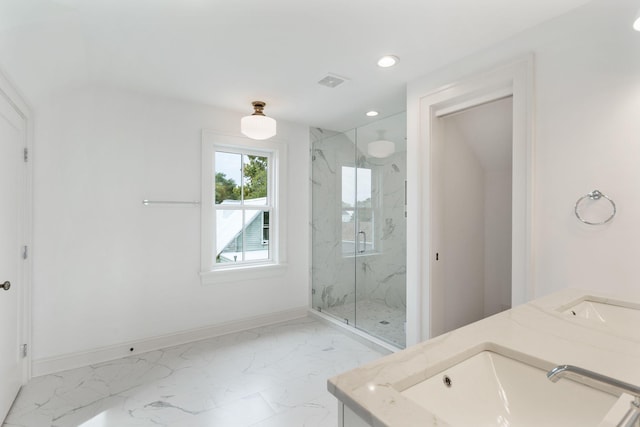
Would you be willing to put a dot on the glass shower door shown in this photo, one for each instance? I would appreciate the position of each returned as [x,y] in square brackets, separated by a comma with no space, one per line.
[333,243]
[380,265]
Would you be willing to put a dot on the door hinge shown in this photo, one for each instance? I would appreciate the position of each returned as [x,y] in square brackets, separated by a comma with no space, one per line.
[23,350]
[25,252]
[26,154]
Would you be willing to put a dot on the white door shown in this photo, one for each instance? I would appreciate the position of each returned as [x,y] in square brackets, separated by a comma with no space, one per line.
[11,219]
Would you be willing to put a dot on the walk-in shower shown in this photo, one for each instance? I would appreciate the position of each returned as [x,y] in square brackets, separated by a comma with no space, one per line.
[359,227]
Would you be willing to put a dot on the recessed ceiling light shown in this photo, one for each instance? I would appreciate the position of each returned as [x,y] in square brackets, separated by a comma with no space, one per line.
[372,113]
[387,61]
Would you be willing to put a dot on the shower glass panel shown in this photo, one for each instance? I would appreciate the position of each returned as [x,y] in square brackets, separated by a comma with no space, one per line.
[358,227]
[333,263]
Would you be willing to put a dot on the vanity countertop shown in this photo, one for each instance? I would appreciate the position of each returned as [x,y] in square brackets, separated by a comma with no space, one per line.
[539,330]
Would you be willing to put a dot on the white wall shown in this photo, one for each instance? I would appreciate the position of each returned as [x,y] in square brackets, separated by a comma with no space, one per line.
[587,136]
[476,196]
[464,232]
[108,270]
[497,241]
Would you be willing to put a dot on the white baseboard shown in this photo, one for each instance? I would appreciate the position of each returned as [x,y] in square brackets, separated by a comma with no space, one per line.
[64,362]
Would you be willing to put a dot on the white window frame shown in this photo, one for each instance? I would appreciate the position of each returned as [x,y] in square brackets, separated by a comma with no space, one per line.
[210,272]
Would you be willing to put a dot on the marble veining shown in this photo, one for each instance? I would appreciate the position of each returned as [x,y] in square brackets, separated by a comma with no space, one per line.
[270,376]
[538,332]
[318,153]
[389,228]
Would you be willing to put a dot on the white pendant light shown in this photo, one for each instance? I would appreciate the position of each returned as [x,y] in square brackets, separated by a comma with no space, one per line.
[257,125]
[381,148]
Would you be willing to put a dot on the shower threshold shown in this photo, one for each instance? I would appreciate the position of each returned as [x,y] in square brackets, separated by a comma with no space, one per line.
[368,331]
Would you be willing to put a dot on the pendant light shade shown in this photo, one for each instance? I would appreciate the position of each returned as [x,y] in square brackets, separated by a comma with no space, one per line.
[257,125]
[381,148]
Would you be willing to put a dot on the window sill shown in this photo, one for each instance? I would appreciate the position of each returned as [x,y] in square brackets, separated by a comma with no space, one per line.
[361,255]
[239,274]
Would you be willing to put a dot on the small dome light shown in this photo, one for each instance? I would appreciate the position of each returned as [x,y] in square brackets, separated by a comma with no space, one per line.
[387,61]
[258,126]
[372,113]
[381,148]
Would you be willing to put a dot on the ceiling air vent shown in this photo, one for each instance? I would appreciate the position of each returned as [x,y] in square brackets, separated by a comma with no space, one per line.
[331,80]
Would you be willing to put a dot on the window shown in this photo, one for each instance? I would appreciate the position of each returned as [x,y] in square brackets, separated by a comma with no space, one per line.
[240,198]
[358,231]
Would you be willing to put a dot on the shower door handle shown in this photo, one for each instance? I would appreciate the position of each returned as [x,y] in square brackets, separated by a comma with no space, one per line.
[365,241]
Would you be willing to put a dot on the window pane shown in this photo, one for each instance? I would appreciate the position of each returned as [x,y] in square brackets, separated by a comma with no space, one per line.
[348,210]
[364,188]
[364,210]
[357,213]
[348,231]
[256,249]
[348,187]
[229,236]
[255,180]
[240,235]
[228,168]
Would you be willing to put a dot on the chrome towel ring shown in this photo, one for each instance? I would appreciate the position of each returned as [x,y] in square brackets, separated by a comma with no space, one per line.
[595,195]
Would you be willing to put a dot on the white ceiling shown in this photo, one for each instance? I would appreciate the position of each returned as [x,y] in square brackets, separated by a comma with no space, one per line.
[227,53]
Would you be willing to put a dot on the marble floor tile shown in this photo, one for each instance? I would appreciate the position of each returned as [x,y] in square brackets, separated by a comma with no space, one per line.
[319,412]
[270,376]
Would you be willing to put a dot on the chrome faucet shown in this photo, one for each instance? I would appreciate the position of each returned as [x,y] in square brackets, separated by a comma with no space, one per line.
[632,417]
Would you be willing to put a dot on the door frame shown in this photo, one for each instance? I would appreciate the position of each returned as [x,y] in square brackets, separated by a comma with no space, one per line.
[512,79]
[9,92]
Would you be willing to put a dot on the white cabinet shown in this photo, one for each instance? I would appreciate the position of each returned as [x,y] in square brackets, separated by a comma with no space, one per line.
[348,418]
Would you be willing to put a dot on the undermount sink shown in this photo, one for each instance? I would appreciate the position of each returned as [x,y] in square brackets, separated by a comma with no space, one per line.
[616,316]
[491,389]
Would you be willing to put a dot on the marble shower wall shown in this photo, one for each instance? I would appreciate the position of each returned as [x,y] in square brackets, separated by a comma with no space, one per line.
[380,274]
[333,275]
